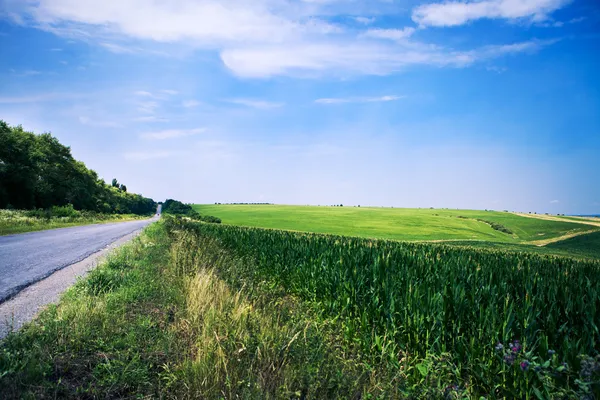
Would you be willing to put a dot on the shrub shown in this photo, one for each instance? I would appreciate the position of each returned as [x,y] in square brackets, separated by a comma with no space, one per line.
[64,212]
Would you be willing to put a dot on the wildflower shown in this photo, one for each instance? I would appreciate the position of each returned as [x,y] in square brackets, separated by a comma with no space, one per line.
[551,352]
[509,358]
[515,346]
[499,347]
[525,365]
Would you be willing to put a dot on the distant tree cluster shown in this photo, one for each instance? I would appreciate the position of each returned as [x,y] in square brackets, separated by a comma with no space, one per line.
[245,204]
[37,171]
[175,207]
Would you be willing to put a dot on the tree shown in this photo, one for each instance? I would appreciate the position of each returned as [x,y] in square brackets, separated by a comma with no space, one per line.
[37,171]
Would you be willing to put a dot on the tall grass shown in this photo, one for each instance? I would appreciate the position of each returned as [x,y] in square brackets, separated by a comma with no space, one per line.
[19,221]
[511,325]
[157,321]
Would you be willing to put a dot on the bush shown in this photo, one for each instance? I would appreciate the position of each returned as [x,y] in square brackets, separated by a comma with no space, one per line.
[64,212]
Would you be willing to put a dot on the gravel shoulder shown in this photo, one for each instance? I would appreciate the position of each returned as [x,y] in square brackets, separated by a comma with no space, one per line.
[24,306]
[30,257]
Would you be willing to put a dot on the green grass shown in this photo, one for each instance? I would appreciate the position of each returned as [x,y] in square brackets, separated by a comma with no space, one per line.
[434,313]
[584,245]
[158,321]
[194,310]
[393,223]
[18,221]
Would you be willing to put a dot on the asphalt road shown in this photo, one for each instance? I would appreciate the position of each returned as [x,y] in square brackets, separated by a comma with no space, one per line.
[30,257]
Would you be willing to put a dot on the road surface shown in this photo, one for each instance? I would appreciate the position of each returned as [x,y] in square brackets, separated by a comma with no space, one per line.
[30,257]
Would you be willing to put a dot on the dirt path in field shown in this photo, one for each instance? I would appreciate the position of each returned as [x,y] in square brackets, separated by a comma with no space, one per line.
[583,221]
[544,242]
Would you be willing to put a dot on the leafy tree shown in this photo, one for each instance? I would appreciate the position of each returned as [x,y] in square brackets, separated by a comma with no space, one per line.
[37,171]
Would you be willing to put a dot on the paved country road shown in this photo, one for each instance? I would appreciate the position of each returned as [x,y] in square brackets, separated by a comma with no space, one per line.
[29,257]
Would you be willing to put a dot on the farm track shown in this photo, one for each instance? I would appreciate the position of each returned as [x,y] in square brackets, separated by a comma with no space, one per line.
[552,218]
[544,242]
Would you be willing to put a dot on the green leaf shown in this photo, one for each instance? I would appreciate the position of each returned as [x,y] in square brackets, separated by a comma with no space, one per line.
[423,369]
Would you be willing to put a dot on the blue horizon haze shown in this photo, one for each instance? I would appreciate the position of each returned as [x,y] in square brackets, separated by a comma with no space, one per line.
[493,104]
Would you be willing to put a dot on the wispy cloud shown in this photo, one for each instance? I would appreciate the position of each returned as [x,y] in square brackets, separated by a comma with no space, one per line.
[498,70]
[117,48]
[38,98]
[554,202]
[143,93]
[365,20]
[28,72]
[390,34]
[190,103]
[254,103]
[84,120]
[171,134]
[147,107]
[151,118]
[343,100]
[453,13]
[169,92]
[264,38]
[149,155]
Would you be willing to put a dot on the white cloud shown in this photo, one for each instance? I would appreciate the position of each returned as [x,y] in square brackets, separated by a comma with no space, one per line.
[143,93]
[117,49]
[171,134]
[147,107]
[357,58]
[554,202]
[150,119]
[498,70]
[390,34]
[84,120]
[28,72]
[358,100]
[169,92]
[151,155]
[39,98]
[453,13]
[264,38]
[254,103]
[190,103]
[364,20]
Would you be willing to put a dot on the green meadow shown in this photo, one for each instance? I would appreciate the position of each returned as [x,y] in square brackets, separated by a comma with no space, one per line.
[396,223]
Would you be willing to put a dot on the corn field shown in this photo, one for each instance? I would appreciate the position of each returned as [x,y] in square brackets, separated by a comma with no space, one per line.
[514,324]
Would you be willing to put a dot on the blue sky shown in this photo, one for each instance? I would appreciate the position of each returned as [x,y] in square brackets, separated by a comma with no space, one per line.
[464,104]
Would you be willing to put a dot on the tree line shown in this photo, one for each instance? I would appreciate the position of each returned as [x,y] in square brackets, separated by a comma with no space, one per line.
[37,171]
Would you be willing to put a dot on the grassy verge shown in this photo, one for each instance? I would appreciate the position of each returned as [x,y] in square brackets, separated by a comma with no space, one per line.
[21,221]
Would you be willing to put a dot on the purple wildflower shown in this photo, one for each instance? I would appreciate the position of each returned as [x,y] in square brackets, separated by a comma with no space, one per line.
[509,358]
[551,352]
[524,365]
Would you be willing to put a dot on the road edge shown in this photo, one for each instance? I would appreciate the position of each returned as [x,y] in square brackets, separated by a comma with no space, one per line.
[24,306]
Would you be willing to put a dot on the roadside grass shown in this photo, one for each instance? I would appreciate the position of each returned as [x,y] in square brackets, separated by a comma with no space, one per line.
[157,320]
[395,223]
[21,221]
[108,337]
